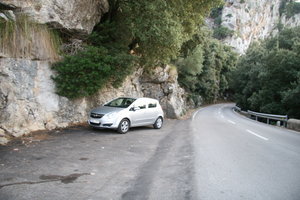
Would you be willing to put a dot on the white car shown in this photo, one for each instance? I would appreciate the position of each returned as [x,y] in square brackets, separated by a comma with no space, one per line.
[123,113]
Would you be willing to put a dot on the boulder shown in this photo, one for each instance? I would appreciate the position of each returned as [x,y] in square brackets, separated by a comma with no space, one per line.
[162,84]
[73,15]
[3,141]
[2,133]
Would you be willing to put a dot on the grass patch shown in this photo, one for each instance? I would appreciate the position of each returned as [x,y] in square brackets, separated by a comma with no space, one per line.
[25,38]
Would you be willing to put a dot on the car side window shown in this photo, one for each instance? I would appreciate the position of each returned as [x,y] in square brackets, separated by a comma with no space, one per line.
[142,106]
[152,105]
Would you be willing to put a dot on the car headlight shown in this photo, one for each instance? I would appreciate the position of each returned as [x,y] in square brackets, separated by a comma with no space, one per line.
[111,115]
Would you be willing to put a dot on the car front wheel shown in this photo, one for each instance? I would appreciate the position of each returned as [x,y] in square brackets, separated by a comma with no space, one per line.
[124,126]
[158,123]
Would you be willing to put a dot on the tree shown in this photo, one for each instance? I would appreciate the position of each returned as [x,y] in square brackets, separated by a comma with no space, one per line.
[267,77]
[204,66]
[159,28]
[151,32]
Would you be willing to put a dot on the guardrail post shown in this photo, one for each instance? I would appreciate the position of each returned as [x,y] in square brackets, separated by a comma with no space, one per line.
[268,121]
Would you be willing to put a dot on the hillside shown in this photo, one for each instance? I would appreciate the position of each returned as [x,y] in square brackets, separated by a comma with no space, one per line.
[37,34]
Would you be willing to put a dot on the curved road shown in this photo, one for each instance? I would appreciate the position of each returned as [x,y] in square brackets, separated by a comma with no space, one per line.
[238,158]
[216,155]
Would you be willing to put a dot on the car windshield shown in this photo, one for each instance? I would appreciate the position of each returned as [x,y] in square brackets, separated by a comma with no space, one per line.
[120,102]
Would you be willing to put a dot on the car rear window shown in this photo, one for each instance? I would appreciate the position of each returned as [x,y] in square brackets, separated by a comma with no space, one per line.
[152,105]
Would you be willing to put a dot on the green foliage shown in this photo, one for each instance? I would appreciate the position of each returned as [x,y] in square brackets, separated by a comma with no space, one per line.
[90,70]
[289,7]
[216,12]
[207,75]
[282,6]
[222,32]
[267,77]
[150,32]
[159,28]
[292,9]
[193,63]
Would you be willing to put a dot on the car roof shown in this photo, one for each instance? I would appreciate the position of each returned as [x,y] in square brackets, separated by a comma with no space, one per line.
[147,99]
[141,98]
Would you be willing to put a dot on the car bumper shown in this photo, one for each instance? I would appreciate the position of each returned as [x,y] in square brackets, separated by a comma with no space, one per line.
[101,123]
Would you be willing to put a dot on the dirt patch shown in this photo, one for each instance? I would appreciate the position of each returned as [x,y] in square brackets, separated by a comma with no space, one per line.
[50,178]
[64,179]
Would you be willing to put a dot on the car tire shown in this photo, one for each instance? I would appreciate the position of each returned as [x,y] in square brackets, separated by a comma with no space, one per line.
[124,126]
[158,123]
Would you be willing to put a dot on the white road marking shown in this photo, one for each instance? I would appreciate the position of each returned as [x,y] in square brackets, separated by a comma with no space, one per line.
[194,115]
[232,122]
[257,135]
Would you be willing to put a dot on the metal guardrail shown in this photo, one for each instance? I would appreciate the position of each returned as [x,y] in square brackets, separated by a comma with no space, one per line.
[236,108]
[282,118]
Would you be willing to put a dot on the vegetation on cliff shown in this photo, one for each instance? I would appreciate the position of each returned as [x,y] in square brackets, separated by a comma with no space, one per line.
[289,8]
[21,37]
[267,78]
[149,33]
[204,66]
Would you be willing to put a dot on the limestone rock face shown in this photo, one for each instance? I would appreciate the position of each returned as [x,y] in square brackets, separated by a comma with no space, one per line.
[162,84]
[28,101]
[73,15]
[252,20]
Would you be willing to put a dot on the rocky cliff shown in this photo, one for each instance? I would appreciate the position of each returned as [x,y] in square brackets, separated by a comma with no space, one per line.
[252,20]
[72,15]
[28,101]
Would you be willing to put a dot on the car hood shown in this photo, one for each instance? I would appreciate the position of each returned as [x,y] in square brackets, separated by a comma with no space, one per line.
[106,109]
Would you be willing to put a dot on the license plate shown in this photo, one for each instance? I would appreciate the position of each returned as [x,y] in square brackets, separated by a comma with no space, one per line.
[95,121]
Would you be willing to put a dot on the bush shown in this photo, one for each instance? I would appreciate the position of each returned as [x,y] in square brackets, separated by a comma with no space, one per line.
[90,70]
[222,32]
[292,9]
[216,12]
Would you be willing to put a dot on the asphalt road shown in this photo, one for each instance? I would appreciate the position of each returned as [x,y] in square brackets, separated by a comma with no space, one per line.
[238,158]
[86,164]
[217,154]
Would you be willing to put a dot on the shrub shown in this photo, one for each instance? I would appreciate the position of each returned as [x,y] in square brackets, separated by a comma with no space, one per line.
[292,9]
[222,32]
[90,70]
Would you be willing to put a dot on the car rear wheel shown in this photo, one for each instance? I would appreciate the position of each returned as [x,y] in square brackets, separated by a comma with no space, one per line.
[158,123]
[124,126]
